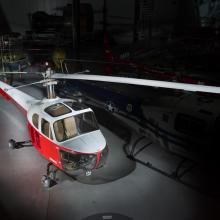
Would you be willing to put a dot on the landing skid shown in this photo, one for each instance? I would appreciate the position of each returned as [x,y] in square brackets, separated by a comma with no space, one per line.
[12,144]
[49,179]
[183,167]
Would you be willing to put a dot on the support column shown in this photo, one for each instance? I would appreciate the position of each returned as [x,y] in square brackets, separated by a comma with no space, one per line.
[136,17]
[104,17]
[76,28]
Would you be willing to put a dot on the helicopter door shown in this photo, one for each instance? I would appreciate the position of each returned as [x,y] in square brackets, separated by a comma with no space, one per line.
[34,133]
[49,148]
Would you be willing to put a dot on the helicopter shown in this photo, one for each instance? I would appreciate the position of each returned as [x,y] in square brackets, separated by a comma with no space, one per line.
[64,131]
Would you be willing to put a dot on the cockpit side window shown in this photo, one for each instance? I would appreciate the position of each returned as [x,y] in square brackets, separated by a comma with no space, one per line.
[46,129]
[59,130]
[35,120]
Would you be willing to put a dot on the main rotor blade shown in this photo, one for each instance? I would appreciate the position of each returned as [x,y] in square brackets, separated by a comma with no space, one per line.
[142,82]
[14,72]
[17,72]
[34,83]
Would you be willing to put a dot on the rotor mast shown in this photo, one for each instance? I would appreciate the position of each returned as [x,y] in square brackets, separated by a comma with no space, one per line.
[50,85]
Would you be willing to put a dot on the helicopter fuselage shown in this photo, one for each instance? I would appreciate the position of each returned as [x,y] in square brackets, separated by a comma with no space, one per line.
[67,134]
[64,131]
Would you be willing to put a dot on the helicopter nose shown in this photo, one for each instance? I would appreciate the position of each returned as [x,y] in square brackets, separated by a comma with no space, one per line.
[102,157]
[72,161]
[87,144]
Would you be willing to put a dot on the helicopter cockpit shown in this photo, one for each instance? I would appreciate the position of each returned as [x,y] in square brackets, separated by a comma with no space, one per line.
[71,126]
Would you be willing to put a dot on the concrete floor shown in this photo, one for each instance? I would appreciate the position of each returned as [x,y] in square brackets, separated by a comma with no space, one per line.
[123,187]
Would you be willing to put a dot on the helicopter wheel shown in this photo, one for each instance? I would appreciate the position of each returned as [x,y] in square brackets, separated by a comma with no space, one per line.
[49,179]
[88,172]
[12,144]
[52,175]
[52,171]
[46,181]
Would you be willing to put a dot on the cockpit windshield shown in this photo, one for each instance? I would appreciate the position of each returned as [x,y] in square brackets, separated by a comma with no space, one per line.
[73,126]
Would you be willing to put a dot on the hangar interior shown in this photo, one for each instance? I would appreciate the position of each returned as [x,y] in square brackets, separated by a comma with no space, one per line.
[160,159]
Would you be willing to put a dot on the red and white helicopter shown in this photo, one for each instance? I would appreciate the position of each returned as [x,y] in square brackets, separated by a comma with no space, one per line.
[66,132]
